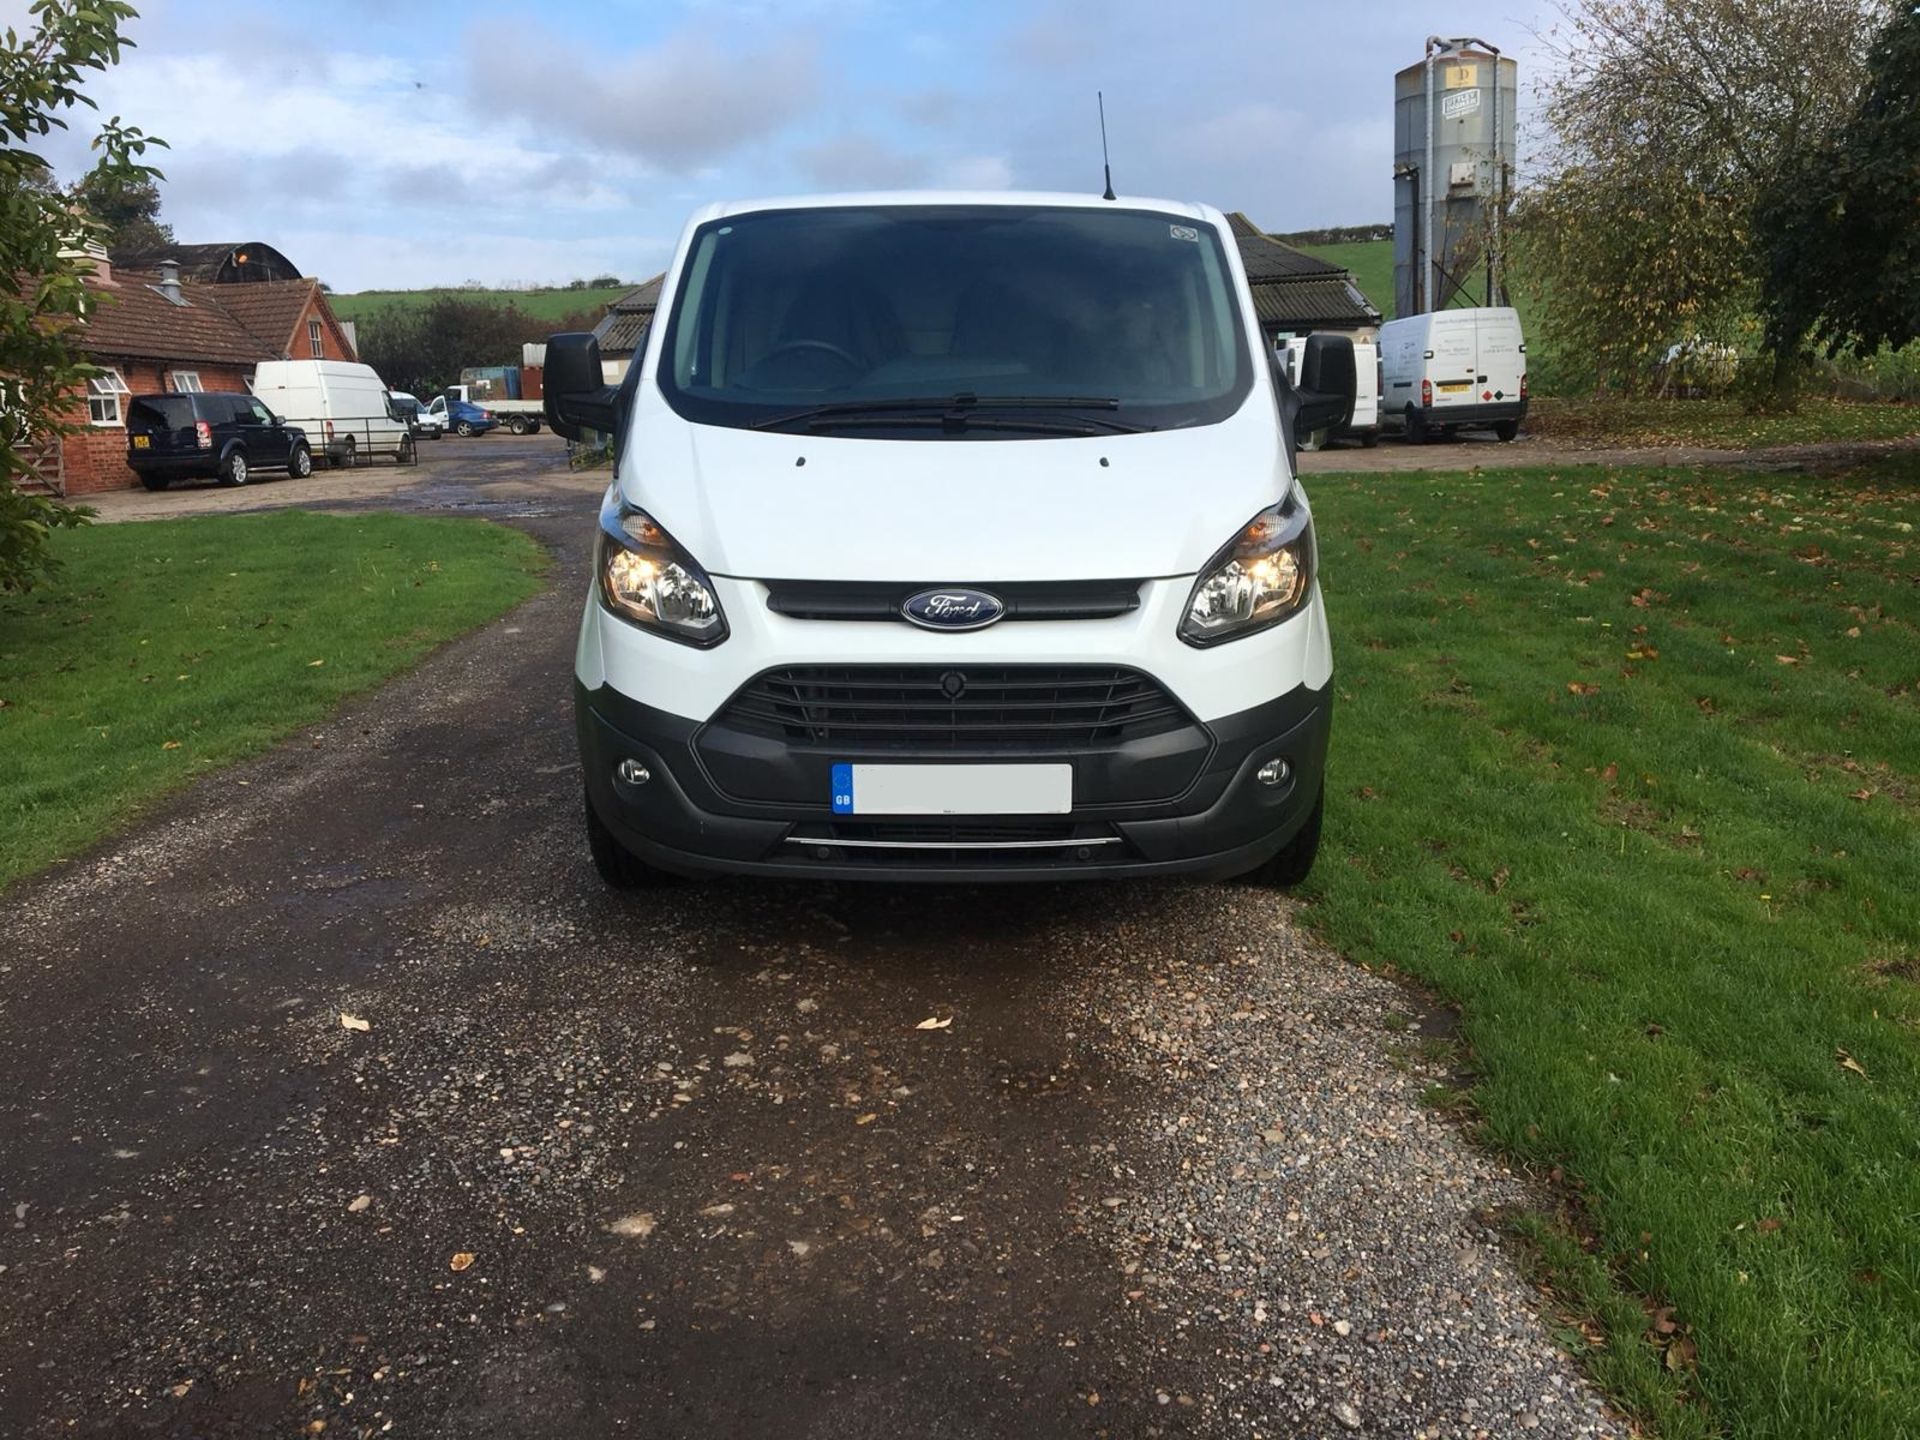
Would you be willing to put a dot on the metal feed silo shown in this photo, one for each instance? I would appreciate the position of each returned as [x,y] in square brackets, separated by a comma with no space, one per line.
[1453,139]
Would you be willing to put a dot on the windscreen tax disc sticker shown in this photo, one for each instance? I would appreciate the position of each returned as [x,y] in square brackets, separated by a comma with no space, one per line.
[1184,232]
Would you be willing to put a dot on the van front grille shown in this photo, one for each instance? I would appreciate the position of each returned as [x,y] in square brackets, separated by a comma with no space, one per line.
[952,707]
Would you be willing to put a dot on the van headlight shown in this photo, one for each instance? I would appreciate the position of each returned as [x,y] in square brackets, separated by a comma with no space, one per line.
[1260,577]
[645,577]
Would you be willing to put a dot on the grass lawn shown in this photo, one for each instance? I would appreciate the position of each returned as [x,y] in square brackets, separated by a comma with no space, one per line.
[169,648]
[1720,423]
[1628,765]
[542,304]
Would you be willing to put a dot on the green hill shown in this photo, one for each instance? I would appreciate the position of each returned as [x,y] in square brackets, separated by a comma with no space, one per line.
[541,304]
[1371,263]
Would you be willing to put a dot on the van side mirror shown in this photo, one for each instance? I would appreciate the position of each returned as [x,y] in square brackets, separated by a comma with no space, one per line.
[577,396]
[1328,384]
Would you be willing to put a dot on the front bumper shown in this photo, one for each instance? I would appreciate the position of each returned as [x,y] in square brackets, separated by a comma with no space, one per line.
[1223,821]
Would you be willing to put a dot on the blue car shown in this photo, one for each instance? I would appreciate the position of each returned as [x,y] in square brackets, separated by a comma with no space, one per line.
[463,417]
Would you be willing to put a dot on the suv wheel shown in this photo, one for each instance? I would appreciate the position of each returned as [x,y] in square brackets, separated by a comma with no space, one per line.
[1295,861]
[618,866]
[156,482]
[300,463]
[233,471]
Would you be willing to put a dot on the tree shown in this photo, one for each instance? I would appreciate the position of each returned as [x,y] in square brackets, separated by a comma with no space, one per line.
[1671,120]
[1842,235]
[423,348]
[127,208]
[42,76]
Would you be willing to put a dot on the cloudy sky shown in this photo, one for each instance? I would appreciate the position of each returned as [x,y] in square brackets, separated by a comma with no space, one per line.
[420,143]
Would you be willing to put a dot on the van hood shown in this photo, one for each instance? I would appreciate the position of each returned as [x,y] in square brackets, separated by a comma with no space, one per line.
[773,506]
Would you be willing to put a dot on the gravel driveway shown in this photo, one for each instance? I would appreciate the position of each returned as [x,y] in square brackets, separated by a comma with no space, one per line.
[340,1099]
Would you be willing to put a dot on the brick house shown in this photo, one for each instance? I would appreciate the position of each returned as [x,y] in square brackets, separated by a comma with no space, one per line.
[155,330]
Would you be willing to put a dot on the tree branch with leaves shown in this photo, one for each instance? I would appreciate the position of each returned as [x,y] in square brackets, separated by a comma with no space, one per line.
[44,301]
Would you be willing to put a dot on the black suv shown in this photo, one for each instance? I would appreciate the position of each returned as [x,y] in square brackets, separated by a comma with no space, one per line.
[217,436]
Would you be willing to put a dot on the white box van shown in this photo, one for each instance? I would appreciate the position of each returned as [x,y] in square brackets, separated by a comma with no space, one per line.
[344,407]
[953,537]
[1452,369]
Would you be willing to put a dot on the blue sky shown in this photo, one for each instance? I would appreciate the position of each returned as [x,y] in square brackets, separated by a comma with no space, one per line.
[413,144]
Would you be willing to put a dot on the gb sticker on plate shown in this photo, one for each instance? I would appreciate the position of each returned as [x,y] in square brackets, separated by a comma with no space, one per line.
[843,789]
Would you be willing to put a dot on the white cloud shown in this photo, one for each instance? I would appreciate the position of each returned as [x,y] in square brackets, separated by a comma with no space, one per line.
[686,101]
[858,162]
[978,172]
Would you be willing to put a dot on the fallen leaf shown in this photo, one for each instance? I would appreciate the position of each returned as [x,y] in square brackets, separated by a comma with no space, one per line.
[1863,795]
[1766,1226]
[931,1023]
[866,1119]
[1788,659]
[312,663]
[460,1261]
[1847,1062]
[1682,1353]
[358,1203]
[1581,687]
[637,1226]
[171,745]
[353,1022]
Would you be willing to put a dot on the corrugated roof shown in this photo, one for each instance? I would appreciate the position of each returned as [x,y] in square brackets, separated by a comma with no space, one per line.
[210,263]
[628,317]
[1264,257]
[1313,302]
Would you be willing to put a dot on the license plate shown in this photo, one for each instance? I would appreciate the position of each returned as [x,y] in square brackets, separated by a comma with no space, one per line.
[142,442]
[952,789]
[1450,387]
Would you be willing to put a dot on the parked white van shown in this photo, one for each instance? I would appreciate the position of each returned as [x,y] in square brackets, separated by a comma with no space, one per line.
[1451,369]
[953,536]
[343,406]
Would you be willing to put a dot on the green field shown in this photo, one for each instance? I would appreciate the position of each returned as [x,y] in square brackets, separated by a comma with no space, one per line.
[542,304]
[1627,766]
[1371,263]
[168,649]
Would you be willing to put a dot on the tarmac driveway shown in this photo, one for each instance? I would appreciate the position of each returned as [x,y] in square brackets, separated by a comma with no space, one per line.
[340,1099]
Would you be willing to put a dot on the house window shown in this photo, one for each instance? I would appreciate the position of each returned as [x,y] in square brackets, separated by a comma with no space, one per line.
[313,337]
[185,382]
[103,398]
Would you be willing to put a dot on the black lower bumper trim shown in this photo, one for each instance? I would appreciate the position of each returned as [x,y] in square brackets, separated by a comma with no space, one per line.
[1226,822]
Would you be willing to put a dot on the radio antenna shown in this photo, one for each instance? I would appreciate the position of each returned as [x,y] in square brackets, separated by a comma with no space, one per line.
[1104,161]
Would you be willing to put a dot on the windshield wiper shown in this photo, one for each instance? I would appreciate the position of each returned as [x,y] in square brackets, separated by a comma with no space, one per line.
[957,410]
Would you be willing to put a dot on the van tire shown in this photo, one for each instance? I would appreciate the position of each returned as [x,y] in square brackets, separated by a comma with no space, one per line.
[233,469]
[1416,427]
[1507,430]
[300,462]
[156,482]
[405,454]
[346,454]
[1369,438]
[1294,862]
[616,865]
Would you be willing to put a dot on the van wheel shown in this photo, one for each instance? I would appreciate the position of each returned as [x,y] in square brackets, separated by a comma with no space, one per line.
[1295,861]
[618,866]
[1507,430]
[300,463]
[1369,438]
[233,471]
[405,455]
[156,482]
[346,456]
[1416,427]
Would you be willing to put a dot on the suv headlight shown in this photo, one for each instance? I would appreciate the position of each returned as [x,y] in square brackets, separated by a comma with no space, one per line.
[646,578]
[1260,577]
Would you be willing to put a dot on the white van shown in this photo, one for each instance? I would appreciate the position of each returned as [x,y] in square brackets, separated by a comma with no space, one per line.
[343,406]
[953,536]
[1451,369]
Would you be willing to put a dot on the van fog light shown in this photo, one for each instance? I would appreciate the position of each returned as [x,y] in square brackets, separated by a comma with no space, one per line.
[632,772]
[1274,772]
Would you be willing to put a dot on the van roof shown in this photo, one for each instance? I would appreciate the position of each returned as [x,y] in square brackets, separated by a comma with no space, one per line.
[1004,198]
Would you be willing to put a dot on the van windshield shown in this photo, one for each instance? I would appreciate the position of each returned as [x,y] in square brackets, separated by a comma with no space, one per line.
[995,322]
